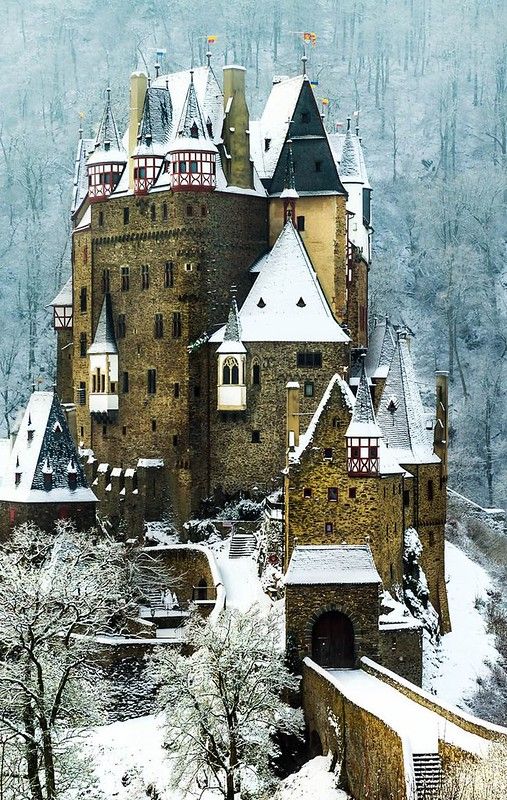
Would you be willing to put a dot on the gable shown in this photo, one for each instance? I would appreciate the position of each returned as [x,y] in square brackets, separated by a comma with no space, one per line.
[59,448]
[315,167]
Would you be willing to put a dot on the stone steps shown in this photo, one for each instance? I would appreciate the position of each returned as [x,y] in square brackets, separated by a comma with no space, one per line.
[242,544]
[428,775]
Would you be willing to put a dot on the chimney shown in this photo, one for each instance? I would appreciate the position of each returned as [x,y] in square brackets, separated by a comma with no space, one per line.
[138,86]
[238,165]
[292,415]
[441,430]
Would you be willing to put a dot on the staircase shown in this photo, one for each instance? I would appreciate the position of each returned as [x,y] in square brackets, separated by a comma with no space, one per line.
[152,608]
[242,544]
[428,775]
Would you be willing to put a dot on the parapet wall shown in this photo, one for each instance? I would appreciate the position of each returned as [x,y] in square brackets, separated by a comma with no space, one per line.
[459,505]
[375,761]
[127,497]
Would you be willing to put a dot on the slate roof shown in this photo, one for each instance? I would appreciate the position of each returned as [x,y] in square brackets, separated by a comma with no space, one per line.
[274,125]
[401,413]
[381,347]
[363,422]
[80,186]
[349,157]
[156,122]
[336,384]
[332,564]
[349,162]
[191,117]
[286,302]
[51,448]
[232,335]
[108,144]
[104,340]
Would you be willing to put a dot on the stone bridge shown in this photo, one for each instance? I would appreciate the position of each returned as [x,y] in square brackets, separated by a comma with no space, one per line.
[393,739]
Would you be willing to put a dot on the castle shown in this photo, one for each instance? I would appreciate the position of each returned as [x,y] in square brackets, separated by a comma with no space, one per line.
[214,332]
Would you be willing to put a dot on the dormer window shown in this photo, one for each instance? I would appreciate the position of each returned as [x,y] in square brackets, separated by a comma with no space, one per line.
[301,303]
[261,303]
[267,145]
[209,128]
[194,131]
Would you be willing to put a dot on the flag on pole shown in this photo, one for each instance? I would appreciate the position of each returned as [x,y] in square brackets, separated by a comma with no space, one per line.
[325,101]
[310,37]
[212,39]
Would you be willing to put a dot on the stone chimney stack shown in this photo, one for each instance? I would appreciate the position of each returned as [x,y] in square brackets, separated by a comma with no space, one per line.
[238,165]
[292,415]
[138,86]
[441,431]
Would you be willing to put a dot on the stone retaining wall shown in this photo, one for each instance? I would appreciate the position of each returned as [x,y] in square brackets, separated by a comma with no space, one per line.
[461,506]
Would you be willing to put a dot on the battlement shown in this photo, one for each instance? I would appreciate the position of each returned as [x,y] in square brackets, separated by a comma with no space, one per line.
[127,496]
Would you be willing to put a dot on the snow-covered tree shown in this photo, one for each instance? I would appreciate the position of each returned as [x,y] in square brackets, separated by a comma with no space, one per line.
[415,585]
[56,592]
[223,703]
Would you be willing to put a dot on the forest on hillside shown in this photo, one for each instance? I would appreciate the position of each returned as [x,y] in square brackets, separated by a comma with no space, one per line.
[428,79]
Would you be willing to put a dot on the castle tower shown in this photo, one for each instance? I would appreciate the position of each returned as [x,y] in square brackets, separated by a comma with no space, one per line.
[363,434]
[152,143]
[107,163]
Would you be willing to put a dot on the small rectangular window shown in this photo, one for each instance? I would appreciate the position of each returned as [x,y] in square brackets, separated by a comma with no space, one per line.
[101,219]
[300,223]
[190,211]
[104,431]
[153,212]
[152,381]
[124,430]
[328,527]
[82,394]
[105,281]
[309,359]
[352,492]
[406,498]
[159,326]
[154,425]
[267,145]
[125,279]
[83,346]
[188,267]
[164,212]
[328,453]
[309,388]
[145,276]
[430,490]
[176,390]
[125,382]
[197,391]
[168,274]
[182,167]
[122,326]
[175,440]
[256,437]
[307,492]
[83,300]
[126,215]
[176,326]
[332,493]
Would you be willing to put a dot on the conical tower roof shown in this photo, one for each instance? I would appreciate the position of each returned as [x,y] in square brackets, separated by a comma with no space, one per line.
[108,146]
[191,124]
[232,334]
[104,340]
[349,162]
[363,423]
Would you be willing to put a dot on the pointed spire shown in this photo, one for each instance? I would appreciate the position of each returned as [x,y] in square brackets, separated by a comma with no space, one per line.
[304,60]
[349,162]
[191,123]
[104,340]
[233,326]
[289,183]
[363,423]
[107,136]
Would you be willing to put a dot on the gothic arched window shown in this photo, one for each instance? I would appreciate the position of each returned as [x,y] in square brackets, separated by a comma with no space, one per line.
[230,371]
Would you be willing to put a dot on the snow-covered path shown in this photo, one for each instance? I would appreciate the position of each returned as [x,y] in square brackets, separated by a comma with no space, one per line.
[241,580]
[419,725]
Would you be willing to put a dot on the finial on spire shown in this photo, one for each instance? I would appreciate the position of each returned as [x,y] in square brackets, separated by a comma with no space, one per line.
[157,69]
[304,59]
[108,93]
[191,74]
[348,123]
[208,58]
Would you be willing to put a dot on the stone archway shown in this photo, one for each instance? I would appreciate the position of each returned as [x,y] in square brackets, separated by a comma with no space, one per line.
[333,641]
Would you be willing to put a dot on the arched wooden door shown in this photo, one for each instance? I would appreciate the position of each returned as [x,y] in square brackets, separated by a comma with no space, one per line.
[333,640]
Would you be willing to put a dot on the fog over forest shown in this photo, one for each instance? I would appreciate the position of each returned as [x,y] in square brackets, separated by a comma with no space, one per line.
[429,79]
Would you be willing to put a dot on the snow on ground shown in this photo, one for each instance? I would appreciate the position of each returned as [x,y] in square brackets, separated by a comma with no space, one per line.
[243,587]
[161,531]
[312,782]
[464,654]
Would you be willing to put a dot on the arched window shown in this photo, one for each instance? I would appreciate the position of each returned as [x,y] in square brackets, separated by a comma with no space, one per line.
[256,374]
[230,371]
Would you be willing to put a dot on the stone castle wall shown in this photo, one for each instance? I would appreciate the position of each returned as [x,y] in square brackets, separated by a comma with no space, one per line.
[460,506]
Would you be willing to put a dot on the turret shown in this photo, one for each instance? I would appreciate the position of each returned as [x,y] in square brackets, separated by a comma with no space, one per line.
[103,365]
[363,433]
[232,365]
[155,125]
[192,156]
[106,164]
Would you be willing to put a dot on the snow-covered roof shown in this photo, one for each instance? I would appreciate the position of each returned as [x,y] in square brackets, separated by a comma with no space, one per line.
[363,422]
[232,335]
[381,346]
[274,124]
[80,187]
[44,445]
[64,296]
[108,145]
[286,302]
[104,340]
[335,384]
[348,154]
[331,564]
[207,93]
[401,414]
[156,122]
